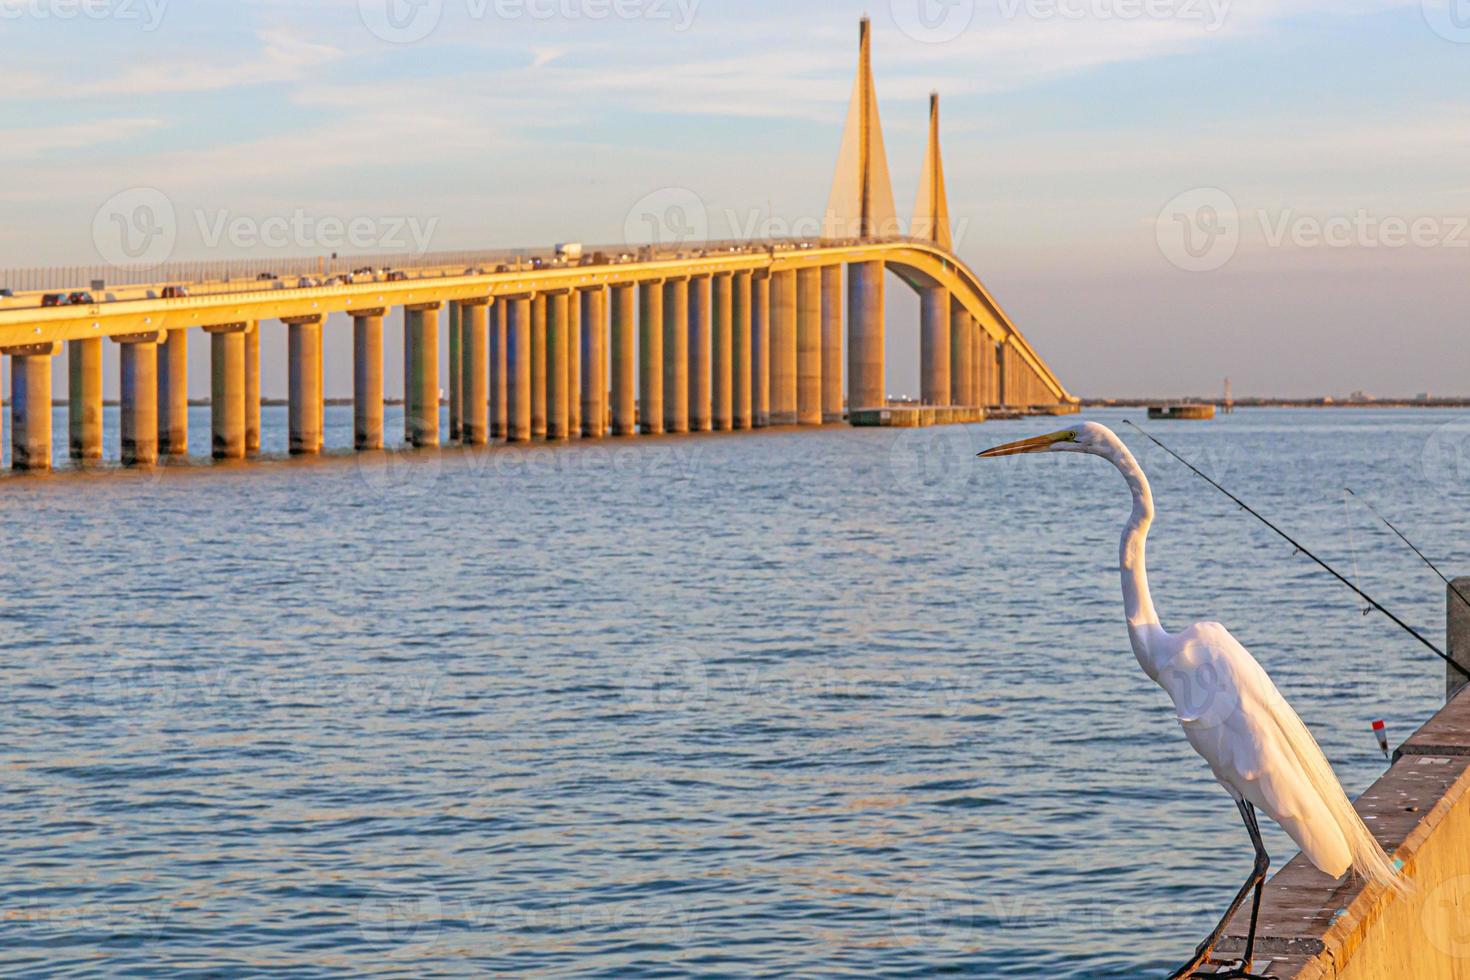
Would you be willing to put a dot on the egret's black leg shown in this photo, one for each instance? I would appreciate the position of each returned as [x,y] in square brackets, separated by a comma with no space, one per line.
[1256,881]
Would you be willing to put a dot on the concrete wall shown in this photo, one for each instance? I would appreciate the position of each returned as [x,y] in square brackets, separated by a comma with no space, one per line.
[1313,927]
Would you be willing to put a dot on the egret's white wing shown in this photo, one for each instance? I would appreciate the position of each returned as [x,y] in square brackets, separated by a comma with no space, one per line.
[1260,750]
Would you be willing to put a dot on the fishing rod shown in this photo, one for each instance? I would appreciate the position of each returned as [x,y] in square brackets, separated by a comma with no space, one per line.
[1405,539]
[1304,550]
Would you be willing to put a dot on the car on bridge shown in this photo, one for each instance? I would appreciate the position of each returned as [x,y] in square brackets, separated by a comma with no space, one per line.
[175,292]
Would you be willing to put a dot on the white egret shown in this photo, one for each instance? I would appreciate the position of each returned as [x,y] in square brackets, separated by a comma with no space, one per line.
[1231,712]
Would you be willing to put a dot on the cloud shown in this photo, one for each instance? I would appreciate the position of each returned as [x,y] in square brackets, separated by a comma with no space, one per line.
[28,143]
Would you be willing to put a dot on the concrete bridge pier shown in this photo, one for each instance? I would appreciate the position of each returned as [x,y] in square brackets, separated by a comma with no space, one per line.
[651,358]
[760,350]
[138,375]
[701,324]
[722,401]
[1004,396]
[173,395]
[740,350]
[594,363]
[961,356]
[538,366]
[574,364]
[84,397]
[227,389]
[456,370]
[865,382]
[30,406]
[783,348]
[809,346]
[624,415]
[517,314]
[989,371]
[304,370]
[499,380]
[935,347]
[421,321]
[367,380]
[558,326]
[252,389]
[474,325]
[676,356]
[832,344]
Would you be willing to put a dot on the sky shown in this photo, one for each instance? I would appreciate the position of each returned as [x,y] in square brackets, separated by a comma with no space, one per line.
[1161,193]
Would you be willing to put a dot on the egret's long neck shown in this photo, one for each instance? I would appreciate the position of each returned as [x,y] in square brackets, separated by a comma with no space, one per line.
[1138,604]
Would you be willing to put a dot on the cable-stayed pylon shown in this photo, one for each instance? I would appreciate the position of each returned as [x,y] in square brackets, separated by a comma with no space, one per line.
[931,211]
[861,205]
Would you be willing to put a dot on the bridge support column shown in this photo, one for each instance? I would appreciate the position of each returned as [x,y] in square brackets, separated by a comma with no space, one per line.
[1004,396]
[832,344]
[227,390]
[676,356]
[760,350]
[456,370]
[783,348]
[574,364]
[594,363]
[960,355]
[976,364]
[538,366]
[84,397]
[138,356]
[623,331]
[651,358]
[422,323]
[173,395]
[809,346]
[740,350]
[865,383]
[499,370]
[557,329]
[701,325]
[936,347]
[252,388]
[474,325]
[367,380]
[722,343]
[519,316]
[304,384]
[985,367]
[30,406]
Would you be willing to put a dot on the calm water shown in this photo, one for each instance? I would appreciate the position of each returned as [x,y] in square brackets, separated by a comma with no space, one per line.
[791,704]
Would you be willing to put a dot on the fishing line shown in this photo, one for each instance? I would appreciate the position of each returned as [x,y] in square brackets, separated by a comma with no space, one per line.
[1303,549]
[1404,538]
[1347,520]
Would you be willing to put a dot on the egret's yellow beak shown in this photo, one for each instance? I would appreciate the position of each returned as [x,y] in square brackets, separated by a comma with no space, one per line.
[1036,444]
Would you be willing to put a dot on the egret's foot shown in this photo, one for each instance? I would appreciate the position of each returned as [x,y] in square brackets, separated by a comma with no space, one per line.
[1239,970]
[1191,969]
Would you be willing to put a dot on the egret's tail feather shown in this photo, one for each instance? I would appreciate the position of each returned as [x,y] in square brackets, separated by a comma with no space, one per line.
[1368,858]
